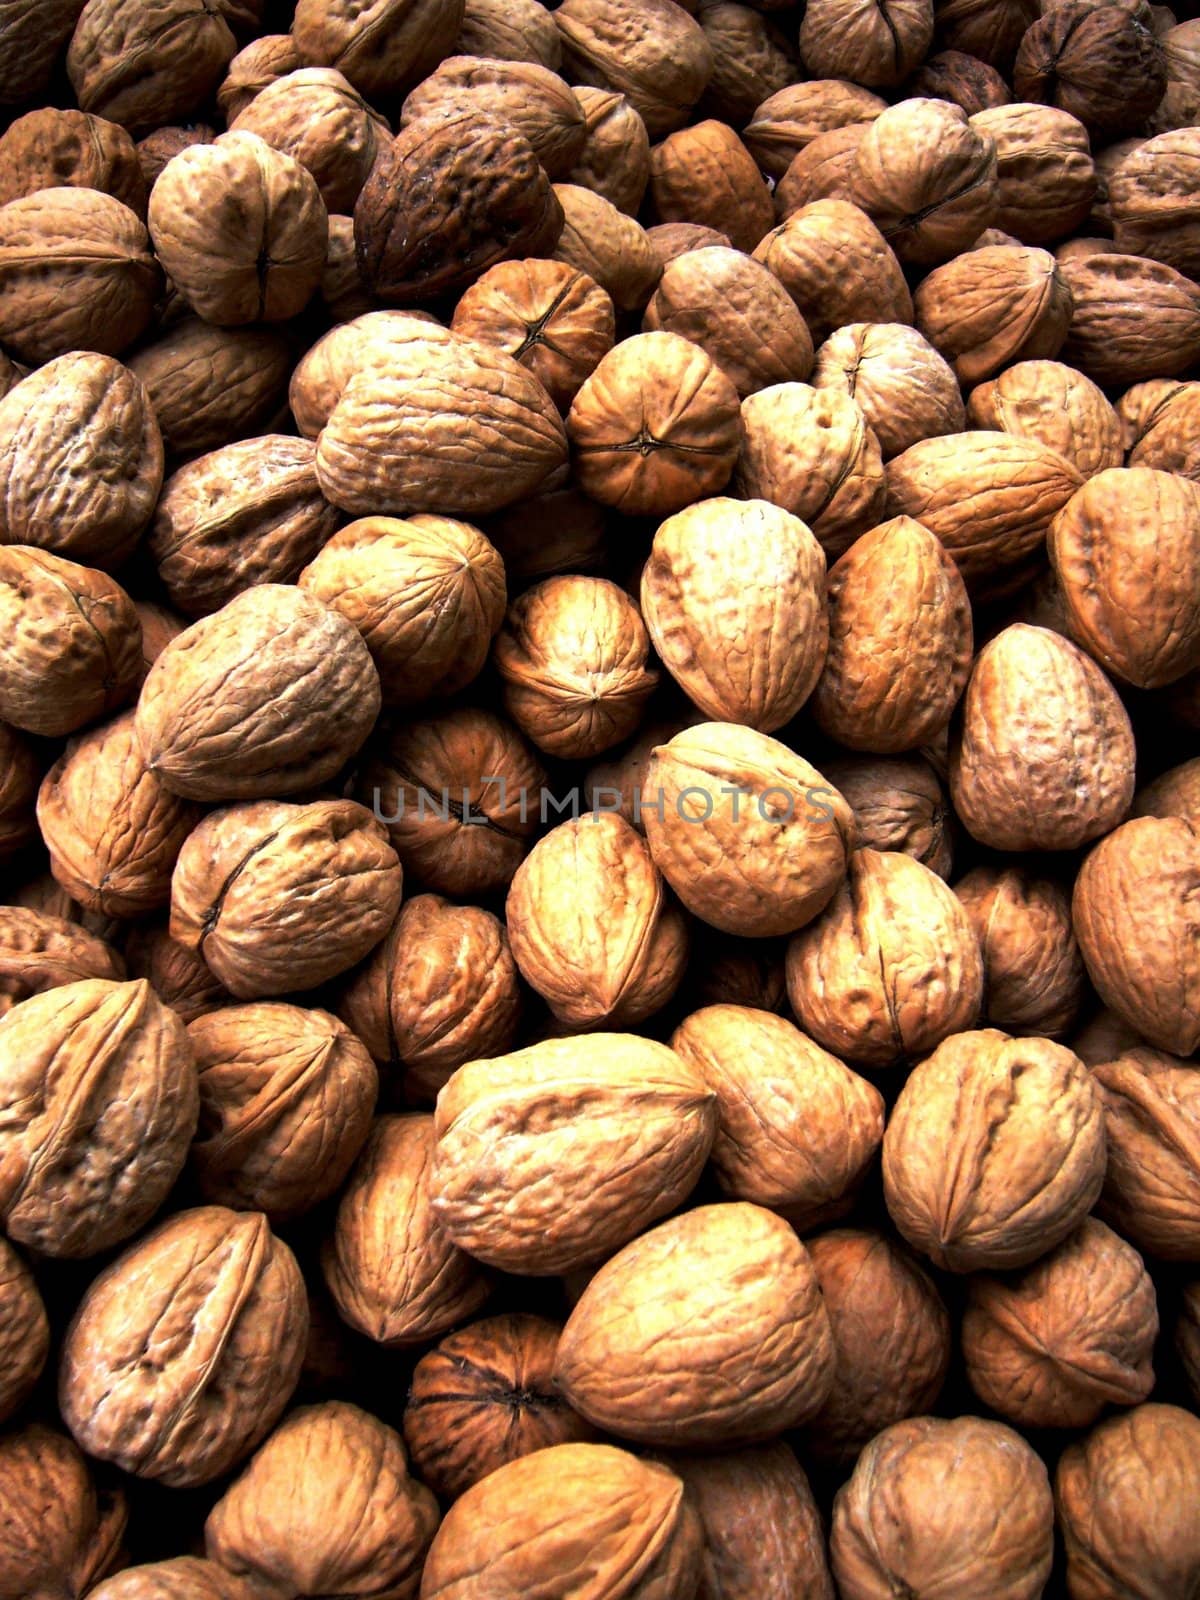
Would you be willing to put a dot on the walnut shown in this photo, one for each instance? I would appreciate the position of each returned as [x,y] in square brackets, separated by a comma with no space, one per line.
[606,244]
[552,534]
[1101,63]
[1160,422]
[262,62]
[615,160]
[1174,793]
[184,1578]
[994,1152]
[40,951]
[903,387]
[705,174]
[875,42]
[752,58]
[179,977]
[186,1348]
[993,306]
[389,1264]
[320,120]
[651,51]
[741,972]
[157,148]
[30,45]
[1151,196]
[24,1332]
[1187,1336]
[384,47]
[20,774]
[933,1502]
[1045,180]
[531,98]
[1134,319]
[367,340]
[1034,980]
[150,65]
[47,149]
[341,290]
[1180,104]
[1152,1188]
[60,1533]
[809,254]
[510,30]
[988,29]
[1053,405]
[617,783]
[209,386]
[823,170]
[964,80]
[794,116]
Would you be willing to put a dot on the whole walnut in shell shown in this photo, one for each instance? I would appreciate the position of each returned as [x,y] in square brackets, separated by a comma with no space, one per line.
[210,385]
[32,42]
[146,66]
[1045,180]
[615,160]
[990,307]
[988,29]
[1102,63]
[384,47]
[186,1348]
[47,149]
[326,368]
[808,254]
[1174,793]
[183,1578]
[1160,423]
[40,951]
[180,977]
[157,148]
[823,170]
[24,1332]
[1134,319]
[1054,405]
[1034,980]
[1152,1188]
[705,174]
[60,1533]
[789,120]
[510,30]
[610,247]
[650,51]
[903,387]
[319,119]
[752,58]
[262,62]
[527,96]
[875,42]
[20,775]
[962,79]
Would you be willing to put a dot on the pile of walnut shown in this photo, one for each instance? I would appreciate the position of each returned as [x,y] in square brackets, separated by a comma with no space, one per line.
[599,800]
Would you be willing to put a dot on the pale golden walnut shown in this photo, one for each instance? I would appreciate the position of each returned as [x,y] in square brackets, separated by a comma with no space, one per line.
[650,51]
[1160,422]
[1070,1336]
[550,535]
[270,695]
[1175,793]
[326,1505]
[705,174]
[1034,980]
[891,1335]
[20,775]
[1134,319]
[1054,405]
[794,116]
[592,928]
[936,1503]
[823,170]
[962,79]
[607,245]
[30,45]
[76,273]
[1045,756]
[113,832]
[1045,180]
[736,310]
[993,306]
[48,149]
[181,1578]
[510,30]
[1152,1186]
[837,267]
[900,641]
[812,453]
[655,427]
[427,595]
[71,642]
[262,62]
[149,65]
[530,97]
[992,30]
[994,1152]
[553,1157]
[24,1332]
[389,1264]
[765,848]
[461,798]
[384,47]
[878,43]
[342,291]
[484,1397]
[796,1130]
[220,1302]
[1102,63]
[60,1533]
[549,316]
[615,159]
[325,369]
[319,119]
[904,388]
[707,1330]
[890,968]
[179,977]
[989,497]
[278,898]
[1126,549]
[40,951]
[761,572]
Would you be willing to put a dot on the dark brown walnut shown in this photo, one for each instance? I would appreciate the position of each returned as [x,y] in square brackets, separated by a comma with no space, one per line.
[1119,299]
[551,534]
[794,116]
[989,497]
[270,695]
[367,340]
[112,830]
[891,1338]
[1101,63]
[610,247]
[484,1397]
[705,174]
[220,1302]
[262,62]
[837,267]
[1187,1336]
[812,453]
[178,976]
[1045,756]
[990,307]
[60,1534]
[461,796]
[1152,1187]
[904,388]
[736,310]
[30,44]
[209,386]
[1175,793]
[1104,1038]
[962,79]
[935,1502]
[752,58]
[157,148]
[100,1104]
[615,159]
[20,774]
[1180,104]
[24,1332]
[1045,179]
[1034,981]
[590,1516]
[76,273]
[989,29]
[182,1578]
[762,573]
[1160,424]
[551,1158]
[751,837]
[286,1099]
[441,989]
[994,1152]
[389,1264]
[447,425]
[796,1130]
[890,968]
[151,65]
[549,316]
[71,649]
[454,193]
[593,931]
[900,641]
[875,42]
[1124,1496]
[1106,161]
[384,47]
[740,972]
[927,178]
[529,97]
[40,951]
[707,1330]
[1053,405]
[655,427]
[278,898]
[510,30]
[49,149]
[427,595]
[823,170]
[1152,196]
[81,460]
[1071,1335]
[651,52]
[1129,542]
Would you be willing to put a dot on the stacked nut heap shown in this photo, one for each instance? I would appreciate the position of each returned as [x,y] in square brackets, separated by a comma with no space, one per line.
[600,800]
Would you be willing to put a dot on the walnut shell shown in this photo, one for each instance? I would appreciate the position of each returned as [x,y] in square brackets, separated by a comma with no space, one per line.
[262,62]
[606,244]
[20,775]
[46,149]
[994,1151]
[1034,979]
[60,1533]
[898,804]
[904,388]
[962,79]
[651,51]
[875,42]
[993,306]
[325,369]
[989,29]
[530,98]
[24,1332]
[510,30]
[1053,405]
[1175,793]
[384,47]
[793,117]
[183,1578]
[752,58]
[179,977]
[823,170]
[1134,319]
[617,784]
[615,159]
[341,291]
[40,951]
[808,254]
[1160,422]
[319,119]
[705,174]
[1102,63]
[1045,180]
[157,148]
[30,45]
[149,66]
[1152,1187]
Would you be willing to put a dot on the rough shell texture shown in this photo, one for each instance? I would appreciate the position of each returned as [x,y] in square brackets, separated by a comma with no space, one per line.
[367,340]
[510,30]
[40,951]
[184,1578]
[180,978]
[20,774]
[1160,422]
[1053,405]
[531,98]
[837,267]
[875,42]
[615,161]
[1045,179]
[32,42]
[993,306]
[263,61]
[704,174]
[1102,64]
[24,1332]
[796,115]
[609,246]
[384,47]
[148,65]
[1152,1188]
[903,387]
[46,149]
[1034,981]
[650,51]
[60,1533]
[1118,300]
[318,118]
